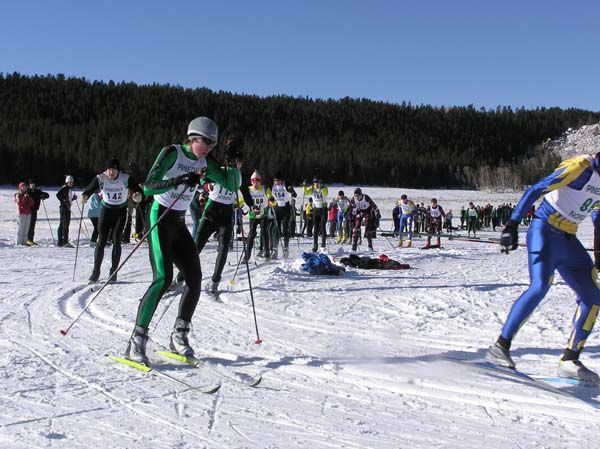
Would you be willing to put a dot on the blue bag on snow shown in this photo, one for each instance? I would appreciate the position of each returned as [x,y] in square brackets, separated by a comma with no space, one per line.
[318,263]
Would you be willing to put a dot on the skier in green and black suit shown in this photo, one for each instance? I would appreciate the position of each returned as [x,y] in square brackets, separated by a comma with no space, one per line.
[177,169]
[218,212]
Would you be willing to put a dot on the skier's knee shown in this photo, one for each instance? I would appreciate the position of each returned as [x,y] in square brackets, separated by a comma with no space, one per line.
[539,289]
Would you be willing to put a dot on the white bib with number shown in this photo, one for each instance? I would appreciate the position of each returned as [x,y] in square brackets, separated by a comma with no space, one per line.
[576,205]
[182,165]
[317,197]
[282,196]
[114,191]
[435,212]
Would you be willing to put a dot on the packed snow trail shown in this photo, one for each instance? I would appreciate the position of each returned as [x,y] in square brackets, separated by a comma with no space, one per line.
[353,361]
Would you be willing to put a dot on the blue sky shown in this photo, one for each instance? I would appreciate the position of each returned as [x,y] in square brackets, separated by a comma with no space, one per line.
[454,52]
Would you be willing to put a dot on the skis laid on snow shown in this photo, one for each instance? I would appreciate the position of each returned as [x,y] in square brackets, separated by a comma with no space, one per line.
[198,363]
[206,389]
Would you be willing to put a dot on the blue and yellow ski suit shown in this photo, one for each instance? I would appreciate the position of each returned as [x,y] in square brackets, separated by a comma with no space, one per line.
[571,192]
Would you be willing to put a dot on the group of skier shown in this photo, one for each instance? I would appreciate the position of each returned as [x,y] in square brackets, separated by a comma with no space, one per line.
[345,216]
[474,217]
[273,209]
[405,226]
[572,192]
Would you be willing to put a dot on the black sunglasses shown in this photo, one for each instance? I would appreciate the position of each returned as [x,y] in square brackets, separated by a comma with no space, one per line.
[206,140]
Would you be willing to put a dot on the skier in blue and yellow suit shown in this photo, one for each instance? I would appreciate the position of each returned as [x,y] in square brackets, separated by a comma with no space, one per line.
[572,191]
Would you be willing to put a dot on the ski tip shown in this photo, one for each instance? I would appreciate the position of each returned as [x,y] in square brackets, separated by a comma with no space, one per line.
[211,390]
[256,382]
[179,358]
[137,365]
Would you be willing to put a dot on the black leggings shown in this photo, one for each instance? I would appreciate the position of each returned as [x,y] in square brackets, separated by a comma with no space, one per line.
[320,226]
[63,227]
[472,224]
[31,232]
[264,233]
[94,237]
[170,243]
[110,218]
[282,227]
[217,218]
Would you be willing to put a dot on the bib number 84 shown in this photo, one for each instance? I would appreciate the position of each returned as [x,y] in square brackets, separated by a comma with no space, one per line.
[589,205]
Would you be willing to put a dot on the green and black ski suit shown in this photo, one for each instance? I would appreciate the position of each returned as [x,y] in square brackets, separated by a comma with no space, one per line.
[170,241]
[218,217]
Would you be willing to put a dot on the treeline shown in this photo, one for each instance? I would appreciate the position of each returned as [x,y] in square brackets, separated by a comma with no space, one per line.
[53,125]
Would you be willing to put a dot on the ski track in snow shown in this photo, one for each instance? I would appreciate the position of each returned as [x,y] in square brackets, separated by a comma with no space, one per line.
[356,361]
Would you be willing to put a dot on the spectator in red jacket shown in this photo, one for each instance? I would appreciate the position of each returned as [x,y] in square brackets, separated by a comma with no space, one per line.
[25,206]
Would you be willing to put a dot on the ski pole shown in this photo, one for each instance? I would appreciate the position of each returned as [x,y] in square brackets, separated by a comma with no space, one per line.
[48,219]
[386,237]
[66,330]
[277,232]
[138,211]
[258,340]
[78,236]
[164,312]
[235,232]
[238,265]
[302,212]
[236,212]
[84,225]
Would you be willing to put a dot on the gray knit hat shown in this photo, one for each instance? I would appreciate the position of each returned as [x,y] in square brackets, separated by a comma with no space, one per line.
[203,127]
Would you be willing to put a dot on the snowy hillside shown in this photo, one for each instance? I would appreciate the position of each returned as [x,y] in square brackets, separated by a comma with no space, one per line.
[357,361]
[584,140]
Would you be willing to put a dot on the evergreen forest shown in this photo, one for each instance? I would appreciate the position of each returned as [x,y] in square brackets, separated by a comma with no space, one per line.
[54,125]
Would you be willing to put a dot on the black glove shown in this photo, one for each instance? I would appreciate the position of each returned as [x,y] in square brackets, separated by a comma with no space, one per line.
[190,179]
[509,239]
[377,214]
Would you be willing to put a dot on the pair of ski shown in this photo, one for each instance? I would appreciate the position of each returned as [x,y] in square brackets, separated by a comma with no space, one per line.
[191,361]
[552,384]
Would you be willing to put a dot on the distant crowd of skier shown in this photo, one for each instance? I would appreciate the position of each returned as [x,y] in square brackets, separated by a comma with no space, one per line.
[284,217]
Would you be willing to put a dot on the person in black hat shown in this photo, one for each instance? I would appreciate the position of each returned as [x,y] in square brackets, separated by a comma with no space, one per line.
[65,198]
[38,196]
[114,188]
[363,211]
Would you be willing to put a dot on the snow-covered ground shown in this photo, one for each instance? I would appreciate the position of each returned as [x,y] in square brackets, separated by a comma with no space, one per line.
[357,361]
